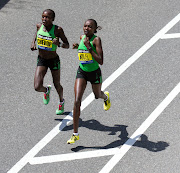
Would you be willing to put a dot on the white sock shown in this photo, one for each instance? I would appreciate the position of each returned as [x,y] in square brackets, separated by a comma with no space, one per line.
[47,89]
[106,98]
[62,102]
[76,134]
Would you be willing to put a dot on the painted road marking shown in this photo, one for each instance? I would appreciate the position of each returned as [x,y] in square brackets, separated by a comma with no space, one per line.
[73,156]
[168,36]
[140,52]
[23,161]
[117,152]
[144,126]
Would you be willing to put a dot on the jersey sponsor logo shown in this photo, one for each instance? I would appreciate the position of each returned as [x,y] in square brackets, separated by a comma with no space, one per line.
[97,81]
[44,42]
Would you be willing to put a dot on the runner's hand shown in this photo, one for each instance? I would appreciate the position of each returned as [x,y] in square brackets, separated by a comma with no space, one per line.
[56,41]
[75,45]
[33,47]
[86,42]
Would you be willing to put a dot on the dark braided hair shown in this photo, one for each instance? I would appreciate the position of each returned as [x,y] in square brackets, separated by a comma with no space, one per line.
[96,26]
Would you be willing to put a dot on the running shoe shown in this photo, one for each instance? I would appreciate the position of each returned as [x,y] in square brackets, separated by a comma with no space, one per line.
[73,139]
[60,109]
[46,97]
[107,103]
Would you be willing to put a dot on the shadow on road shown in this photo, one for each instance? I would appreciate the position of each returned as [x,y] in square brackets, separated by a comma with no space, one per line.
[143,141]
[3,3]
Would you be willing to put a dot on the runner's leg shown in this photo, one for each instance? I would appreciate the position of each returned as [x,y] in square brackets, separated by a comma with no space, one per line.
[97,91]
[39,78]
[57,85]
[79,88]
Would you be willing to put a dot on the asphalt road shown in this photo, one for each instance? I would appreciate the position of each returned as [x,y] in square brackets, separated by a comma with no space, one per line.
[106,140]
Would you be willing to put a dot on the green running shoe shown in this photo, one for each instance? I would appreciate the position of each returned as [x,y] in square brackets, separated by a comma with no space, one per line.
[60,109]
[46,97]
[73,139]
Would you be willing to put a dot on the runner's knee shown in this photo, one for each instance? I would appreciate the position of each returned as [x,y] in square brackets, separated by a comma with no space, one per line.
[97,96]
[57,85]
[37,87]
[77,103]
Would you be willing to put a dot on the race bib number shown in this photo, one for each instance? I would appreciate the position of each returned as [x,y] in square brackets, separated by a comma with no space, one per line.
[44,42]
[85,57]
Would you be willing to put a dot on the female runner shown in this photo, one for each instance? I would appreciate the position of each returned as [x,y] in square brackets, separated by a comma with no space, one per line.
[90,56]
[47,37]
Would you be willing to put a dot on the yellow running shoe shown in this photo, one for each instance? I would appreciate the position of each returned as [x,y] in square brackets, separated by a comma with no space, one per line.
[107,103]
[73,139]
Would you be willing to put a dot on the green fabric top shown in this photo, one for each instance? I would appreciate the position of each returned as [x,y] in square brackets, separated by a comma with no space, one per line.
[91,66]
[44,39]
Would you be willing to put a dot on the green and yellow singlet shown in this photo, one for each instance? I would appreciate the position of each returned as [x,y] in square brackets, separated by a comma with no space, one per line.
[87,61]
[44,39]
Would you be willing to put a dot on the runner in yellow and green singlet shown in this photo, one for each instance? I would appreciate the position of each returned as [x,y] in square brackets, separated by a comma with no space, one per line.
[90,55]
[47,37]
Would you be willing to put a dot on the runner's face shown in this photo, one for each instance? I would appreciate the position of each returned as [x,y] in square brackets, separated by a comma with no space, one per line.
[47,18]
[89,28]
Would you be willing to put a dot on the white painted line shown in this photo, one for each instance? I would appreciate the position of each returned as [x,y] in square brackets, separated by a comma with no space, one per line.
[140,52]
[73,156]
[41,144]
[23,161]
[169,36]
[87,101]
[144,126]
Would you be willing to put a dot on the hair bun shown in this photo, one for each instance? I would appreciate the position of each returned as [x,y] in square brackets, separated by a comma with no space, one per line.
[99,27]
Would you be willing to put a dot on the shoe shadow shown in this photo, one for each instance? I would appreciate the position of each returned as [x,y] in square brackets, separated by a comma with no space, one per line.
[65,113]
[143,141]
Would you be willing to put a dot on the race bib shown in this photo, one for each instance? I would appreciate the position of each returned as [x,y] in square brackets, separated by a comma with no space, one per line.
[44,42]
[85,57]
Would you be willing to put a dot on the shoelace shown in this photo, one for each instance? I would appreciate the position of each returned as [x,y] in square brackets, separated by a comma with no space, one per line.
[74,136]
[60,106]
[45,96]
[106,102]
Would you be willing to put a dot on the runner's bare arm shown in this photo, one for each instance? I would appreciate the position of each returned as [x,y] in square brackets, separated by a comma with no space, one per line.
[97,43]
[33,44]
[59,33]
[76,45]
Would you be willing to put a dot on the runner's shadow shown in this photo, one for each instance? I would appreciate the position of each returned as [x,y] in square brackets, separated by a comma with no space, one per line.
[95,125]
[3,3]
[143,141]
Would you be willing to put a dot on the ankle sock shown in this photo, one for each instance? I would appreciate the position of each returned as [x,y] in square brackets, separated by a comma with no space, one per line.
[76,134]
[47,89]
[106,98]
[61,102]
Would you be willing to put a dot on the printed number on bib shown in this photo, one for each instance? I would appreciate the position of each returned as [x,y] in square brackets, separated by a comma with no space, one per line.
[85,57]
